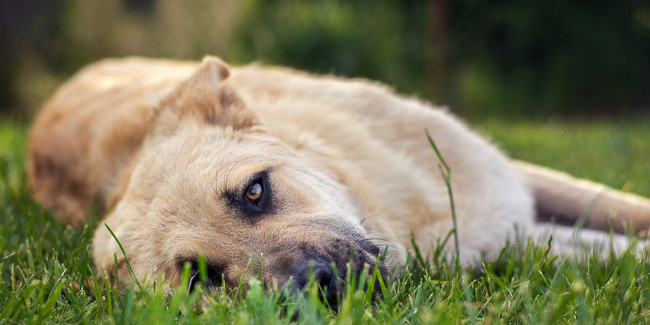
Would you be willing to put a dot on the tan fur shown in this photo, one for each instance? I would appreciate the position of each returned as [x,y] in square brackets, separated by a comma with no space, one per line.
[158,142]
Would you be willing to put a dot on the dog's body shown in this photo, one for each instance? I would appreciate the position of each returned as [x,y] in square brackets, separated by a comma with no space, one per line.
[347,163]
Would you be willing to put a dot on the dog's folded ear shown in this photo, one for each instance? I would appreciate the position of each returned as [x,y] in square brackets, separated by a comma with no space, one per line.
[204,97]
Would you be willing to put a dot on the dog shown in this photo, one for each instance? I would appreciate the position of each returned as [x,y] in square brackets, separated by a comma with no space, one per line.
[270,171]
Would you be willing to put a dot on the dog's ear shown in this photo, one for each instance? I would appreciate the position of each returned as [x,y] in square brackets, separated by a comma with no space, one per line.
[205,98]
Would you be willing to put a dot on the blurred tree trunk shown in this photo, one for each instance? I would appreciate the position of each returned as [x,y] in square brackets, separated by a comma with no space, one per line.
[438,30]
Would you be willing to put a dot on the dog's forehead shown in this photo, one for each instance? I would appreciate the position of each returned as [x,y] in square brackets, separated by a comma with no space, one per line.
[199,164]
[227,145]
[197,151]
[200,170]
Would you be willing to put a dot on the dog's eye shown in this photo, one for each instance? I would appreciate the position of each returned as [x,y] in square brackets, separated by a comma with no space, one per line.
[254,198]
[254,192]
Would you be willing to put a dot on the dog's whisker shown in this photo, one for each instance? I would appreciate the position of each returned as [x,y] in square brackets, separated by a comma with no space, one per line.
[215,184]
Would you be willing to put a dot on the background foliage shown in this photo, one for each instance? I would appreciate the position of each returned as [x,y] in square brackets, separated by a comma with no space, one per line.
[504,58]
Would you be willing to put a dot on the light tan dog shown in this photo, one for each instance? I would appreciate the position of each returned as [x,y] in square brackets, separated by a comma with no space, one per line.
[283,168]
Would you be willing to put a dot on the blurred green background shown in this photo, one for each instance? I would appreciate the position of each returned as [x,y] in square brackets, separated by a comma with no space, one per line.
[503,58]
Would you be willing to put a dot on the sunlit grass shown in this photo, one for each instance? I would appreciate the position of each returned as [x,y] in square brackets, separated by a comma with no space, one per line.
[47,273]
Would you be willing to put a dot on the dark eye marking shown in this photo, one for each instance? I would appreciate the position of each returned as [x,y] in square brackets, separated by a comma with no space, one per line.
[253,199]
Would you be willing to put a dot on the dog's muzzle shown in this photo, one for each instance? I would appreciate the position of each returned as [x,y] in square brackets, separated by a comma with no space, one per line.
[327,267]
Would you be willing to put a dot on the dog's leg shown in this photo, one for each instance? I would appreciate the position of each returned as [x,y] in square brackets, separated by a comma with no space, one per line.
[565,199]
[572,241]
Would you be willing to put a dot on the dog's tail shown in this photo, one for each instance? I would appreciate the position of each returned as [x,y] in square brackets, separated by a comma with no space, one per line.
[565,200]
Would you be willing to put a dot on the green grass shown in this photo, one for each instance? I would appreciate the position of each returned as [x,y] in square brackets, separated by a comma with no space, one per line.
[47,274]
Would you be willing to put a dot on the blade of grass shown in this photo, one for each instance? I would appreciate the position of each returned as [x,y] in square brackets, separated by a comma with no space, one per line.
[128,265]
[446,175]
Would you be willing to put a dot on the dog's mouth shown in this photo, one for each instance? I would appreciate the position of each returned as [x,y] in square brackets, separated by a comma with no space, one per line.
[326,267]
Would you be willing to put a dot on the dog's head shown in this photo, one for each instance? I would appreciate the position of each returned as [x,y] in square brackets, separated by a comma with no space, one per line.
[214,180]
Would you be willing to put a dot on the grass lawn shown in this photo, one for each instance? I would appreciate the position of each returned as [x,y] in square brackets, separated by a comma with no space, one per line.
[47,274]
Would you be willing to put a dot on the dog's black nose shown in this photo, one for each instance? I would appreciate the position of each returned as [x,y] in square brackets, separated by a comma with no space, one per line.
[323,275]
